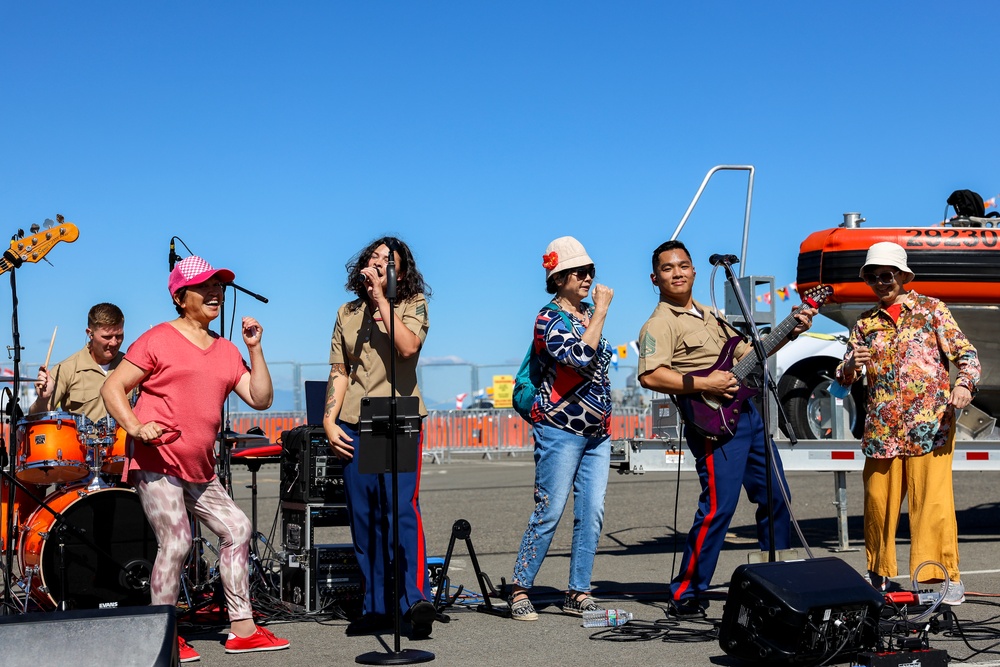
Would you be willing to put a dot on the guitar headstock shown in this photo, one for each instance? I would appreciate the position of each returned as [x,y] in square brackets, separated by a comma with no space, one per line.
[36,245]
[815,297]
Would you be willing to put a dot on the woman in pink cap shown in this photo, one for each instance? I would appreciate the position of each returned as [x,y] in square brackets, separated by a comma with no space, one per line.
[184,373]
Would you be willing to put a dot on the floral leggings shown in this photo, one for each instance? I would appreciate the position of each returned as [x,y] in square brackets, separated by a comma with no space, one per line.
[164,499]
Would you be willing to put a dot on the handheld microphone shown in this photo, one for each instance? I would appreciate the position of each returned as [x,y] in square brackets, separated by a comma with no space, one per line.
[173,253]
[715,260]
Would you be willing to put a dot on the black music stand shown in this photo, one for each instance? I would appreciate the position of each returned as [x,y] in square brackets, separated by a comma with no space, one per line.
[377,441]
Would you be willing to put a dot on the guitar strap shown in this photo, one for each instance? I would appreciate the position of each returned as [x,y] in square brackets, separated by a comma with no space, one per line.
[726,325]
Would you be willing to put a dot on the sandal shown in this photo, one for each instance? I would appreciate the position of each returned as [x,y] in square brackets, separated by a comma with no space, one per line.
[521,608]
[575,604]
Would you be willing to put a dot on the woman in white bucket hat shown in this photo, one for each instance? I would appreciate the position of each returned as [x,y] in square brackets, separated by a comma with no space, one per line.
[909,436]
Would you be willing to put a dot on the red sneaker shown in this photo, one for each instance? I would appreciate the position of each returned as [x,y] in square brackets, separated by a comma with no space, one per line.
[185,651]
[261,640]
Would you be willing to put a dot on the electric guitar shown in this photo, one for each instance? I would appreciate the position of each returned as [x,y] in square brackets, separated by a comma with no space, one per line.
[718,417]
[34,247]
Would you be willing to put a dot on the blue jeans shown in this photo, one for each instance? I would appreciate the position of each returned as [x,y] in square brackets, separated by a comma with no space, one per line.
[565,462]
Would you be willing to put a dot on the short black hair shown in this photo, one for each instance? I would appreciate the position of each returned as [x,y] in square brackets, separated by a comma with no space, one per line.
[178,299]
[667,246]
[551,283]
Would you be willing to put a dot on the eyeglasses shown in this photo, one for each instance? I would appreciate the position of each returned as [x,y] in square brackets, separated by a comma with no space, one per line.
[584,272]
[884,278]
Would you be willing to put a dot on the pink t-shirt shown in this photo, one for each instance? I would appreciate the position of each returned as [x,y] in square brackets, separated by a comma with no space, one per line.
[184,391]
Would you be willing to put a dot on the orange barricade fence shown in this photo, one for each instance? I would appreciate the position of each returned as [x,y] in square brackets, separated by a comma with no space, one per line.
[458,431]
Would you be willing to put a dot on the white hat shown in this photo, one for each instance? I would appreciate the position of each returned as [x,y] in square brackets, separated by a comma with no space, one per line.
[564,253]
[887,253]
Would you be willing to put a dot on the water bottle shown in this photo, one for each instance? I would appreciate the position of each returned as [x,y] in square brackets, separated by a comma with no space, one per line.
[606,618]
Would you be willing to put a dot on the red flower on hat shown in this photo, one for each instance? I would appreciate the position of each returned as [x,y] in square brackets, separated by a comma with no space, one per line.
[550,261]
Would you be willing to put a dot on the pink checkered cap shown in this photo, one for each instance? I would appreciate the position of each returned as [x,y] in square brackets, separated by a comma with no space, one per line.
[193,270]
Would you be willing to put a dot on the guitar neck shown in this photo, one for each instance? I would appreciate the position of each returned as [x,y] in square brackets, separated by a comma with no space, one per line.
[744,368]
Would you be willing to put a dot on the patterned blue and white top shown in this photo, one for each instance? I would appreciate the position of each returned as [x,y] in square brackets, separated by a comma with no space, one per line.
[575,392]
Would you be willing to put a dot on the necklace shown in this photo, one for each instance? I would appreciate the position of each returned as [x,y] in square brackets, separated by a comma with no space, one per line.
[575,312]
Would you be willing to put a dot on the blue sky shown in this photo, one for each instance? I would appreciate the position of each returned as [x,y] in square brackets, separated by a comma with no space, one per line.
[277,139]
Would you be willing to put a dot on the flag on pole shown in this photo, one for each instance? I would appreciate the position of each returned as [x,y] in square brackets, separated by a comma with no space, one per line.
[459,399]
[622,351]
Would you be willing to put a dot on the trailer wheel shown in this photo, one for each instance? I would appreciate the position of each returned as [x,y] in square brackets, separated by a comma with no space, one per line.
[805,396]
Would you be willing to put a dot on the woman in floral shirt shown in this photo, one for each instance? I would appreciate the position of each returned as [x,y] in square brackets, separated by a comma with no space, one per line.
[903,344]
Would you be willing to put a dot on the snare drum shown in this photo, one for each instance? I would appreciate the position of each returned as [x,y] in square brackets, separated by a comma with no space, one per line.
[49,450]
[109,565]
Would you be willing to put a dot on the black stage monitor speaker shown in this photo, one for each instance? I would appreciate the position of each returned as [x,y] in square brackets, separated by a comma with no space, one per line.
[137,636]
[799,612]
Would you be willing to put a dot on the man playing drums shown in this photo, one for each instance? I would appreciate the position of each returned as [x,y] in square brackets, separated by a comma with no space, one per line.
[74,385]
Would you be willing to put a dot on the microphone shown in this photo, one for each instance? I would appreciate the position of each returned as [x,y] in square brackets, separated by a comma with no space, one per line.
[173,253]
[715,260]
[390,279]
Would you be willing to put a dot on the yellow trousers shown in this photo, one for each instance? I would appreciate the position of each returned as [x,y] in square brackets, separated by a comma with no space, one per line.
[926,480]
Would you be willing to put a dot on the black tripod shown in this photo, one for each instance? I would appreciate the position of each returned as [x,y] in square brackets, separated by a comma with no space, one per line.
[394,426]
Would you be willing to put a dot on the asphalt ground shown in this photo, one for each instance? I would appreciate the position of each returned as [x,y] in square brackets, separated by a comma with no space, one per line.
[638,552]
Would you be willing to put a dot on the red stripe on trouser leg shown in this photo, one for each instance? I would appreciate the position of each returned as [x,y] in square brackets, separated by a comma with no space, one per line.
[705,524]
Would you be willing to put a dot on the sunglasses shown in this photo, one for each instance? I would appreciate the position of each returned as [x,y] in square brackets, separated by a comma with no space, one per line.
[884,278]
[583,272]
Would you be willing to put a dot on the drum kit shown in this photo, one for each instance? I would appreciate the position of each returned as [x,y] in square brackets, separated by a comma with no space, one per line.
[88,543]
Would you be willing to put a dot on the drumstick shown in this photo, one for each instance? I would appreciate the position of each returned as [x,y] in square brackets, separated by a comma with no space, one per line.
[51,343]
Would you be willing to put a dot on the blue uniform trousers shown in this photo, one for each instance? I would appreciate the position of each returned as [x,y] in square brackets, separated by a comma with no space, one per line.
[370,505]
[723,467]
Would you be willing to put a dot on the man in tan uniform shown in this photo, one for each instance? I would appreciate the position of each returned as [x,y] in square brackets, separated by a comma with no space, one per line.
[682,336]
[74,384]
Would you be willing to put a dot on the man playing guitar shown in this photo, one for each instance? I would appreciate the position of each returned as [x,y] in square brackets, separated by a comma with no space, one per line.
[680,337]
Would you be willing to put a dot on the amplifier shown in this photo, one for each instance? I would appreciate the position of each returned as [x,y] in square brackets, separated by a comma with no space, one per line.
[310,472]
[326,575]
[799,612]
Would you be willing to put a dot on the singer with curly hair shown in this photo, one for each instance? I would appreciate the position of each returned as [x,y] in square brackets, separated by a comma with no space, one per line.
[360,354]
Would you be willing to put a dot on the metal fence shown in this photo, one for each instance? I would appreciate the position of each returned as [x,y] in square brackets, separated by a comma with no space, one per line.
[446,432]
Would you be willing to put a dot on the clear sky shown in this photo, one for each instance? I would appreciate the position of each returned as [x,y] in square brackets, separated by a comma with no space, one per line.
[277,139]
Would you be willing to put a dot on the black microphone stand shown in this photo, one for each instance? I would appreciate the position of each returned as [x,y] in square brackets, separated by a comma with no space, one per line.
[14,262]
[726,261]
[225,442]
[396,656]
